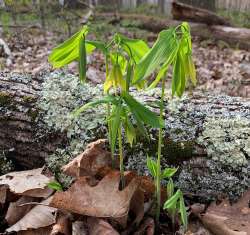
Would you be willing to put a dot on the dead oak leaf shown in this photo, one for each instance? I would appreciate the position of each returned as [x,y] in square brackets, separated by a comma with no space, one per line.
[90,161]
[226,219]
[40,216]
[99,226]
[27,183]
[102,200]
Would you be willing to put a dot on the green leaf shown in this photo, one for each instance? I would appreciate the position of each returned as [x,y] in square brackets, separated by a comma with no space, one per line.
[130,131]
[55,185]
[68,51]
[136,48]
[178,81]
[105,100]
[115,121]
[152,166]
[170,188]
[82,59]
[142,113]
[163,50]
[160,75]
[171,202]
[183,212]
[98,45]
[168,172]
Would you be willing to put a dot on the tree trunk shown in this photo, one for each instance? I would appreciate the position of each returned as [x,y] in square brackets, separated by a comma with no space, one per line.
[182,11]
[206,135]
[205,4]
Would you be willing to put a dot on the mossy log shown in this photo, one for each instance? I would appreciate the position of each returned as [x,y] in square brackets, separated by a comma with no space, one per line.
[23,136]
[207,136]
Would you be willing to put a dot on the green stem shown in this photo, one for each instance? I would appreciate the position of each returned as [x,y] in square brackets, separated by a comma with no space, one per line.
[158,173]
[108,115]
[121,157]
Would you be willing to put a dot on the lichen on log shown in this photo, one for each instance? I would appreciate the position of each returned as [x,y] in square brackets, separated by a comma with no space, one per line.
[206,135]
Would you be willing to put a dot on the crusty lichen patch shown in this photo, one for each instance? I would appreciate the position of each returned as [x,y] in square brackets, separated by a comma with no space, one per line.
[225,169]
[227,140]
[5,164]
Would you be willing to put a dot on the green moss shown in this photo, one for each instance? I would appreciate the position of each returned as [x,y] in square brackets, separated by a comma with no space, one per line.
[5,98]
[33,113]
[28,99]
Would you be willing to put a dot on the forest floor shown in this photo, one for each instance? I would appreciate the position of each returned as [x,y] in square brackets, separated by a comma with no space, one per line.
[220,68]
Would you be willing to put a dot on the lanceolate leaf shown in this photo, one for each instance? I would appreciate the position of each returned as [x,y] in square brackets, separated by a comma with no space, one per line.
[130,131]
[171,202]
[142,113]
[170,188]
[135,48]
[115,121]
[82,59]
[152,166]
[68,51]
[168,172]
[105,100]
[98,45]
[183,212]
[161,51]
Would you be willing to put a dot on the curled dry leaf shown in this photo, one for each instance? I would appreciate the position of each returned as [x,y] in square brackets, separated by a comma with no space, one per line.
[103,200]
[3,194]
[90,161]
[27,183]
[99,226]
[16,212]
[78,228]
[62,226]
[147,227]
[40,231]
[224,219]
[40,216]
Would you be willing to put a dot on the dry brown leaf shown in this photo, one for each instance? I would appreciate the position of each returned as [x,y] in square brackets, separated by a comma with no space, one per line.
[40,231]
[16,212]
[3,194]
[99,226]
[39,216]
[148,187]
[90,161]
[78,228]
[103,200]
[147,227]
[28,183]
[224,219]
[137,206]
[62,226]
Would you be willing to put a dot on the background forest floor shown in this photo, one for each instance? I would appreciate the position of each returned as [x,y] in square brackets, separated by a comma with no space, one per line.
[220,68]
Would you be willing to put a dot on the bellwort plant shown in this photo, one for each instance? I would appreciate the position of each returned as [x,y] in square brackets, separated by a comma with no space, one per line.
[173,47]
[129,62]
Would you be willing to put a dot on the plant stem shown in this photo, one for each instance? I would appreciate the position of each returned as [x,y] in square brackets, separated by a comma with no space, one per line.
[108,115]
[121,157]
[158,173]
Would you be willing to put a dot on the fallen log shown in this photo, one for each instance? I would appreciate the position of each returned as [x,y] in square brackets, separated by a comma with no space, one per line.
[206,135]
[181,11]
[234,37]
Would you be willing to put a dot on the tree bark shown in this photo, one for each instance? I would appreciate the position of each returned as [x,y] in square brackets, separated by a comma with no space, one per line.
[23,136]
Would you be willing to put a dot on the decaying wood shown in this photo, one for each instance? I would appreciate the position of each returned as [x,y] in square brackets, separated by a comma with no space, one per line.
[235,37]
[27,140]
[22,134]
[181,11]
